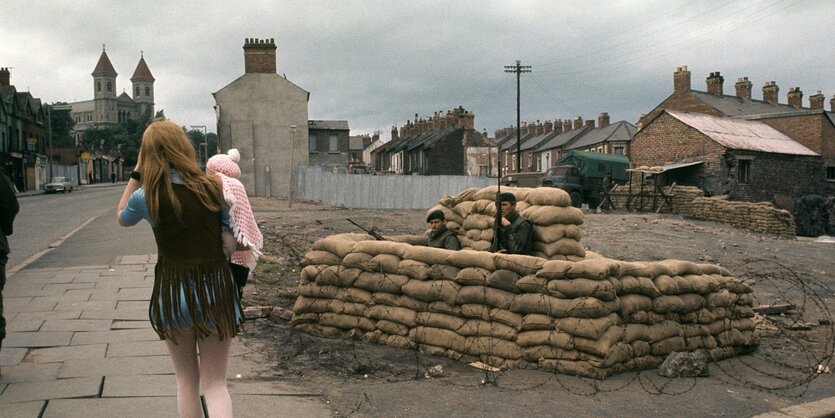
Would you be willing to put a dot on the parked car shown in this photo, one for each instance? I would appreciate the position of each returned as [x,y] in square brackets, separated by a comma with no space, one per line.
[58,184]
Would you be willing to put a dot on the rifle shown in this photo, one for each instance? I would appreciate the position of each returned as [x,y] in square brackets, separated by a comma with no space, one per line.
[373,231]
[497,224]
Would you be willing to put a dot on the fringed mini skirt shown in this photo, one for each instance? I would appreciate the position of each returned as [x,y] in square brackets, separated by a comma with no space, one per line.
[199,297]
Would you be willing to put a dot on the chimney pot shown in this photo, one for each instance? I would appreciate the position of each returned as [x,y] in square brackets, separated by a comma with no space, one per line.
[578,123]
[715,84]
[743,88]
[603,120]
[816,101]
[259,56]
[795,97]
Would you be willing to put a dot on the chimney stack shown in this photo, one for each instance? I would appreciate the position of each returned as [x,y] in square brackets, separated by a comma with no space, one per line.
[5,77]
[259,56]
[715,83]
[590,123]
[547,127]
[578,123]
[681,80]
[816,101]
[603,120]
[795,97]
[394,135]
[770,91]
[743,88]
[558,125]
[566,125]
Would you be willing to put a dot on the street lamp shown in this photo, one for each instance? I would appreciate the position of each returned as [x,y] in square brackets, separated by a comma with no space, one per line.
[205,142]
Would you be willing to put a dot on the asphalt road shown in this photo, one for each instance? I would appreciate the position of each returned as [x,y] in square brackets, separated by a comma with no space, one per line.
[77,228]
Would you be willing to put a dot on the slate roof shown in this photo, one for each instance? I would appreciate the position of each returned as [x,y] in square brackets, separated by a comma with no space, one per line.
[533,142]
[735,106]
[742,134]
[142,72]
[562,139]
[355,142]
[510,141]
[621,131]
[334,125]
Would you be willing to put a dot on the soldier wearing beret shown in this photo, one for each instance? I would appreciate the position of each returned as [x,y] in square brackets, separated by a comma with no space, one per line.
[516,232]
[439,235]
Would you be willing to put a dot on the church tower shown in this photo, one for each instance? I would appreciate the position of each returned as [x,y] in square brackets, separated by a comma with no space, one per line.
[143,87]
[104,89]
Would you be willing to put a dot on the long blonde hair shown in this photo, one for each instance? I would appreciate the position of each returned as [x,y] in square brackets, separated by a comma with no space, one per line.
[165,146]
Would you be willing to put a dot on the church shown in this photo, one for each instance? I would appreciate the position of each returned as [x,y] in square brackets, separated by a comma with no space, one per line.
[106,107]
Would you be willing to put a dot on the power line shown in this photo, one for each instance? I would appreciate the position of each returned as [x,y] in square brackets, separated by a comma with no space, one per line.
[518,69]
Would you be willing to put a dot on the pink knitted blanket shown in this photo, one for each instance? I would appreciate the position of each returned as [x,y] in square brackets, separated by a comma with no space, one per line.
[242,222]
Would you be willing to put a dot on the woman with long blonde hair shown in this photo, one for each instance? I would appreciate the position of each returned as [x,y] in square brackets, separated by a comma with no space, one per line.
[195,303]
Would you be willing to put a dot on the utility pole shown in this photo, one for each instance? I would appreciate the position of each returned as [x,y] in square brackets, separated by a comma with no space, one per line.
[518,69]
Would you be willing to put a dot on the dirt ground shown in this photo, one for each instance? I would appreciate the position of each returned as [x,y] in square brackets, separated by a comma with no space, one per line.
[359,379]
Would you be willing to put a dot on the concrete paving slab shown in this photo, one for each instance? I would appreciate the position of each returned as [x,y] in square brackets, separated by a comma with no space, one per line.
[76,324]
[9,356]
[17,305]
[139,385]
[29,316]
[22,289]
[143,294]
[821,408]
[17,325]
[63,287]
[104,408]
[81,387]
[132,314]
[132,304]
[75,297]
[23,409]
[59,354]
[94,294]
[121,283]
[272,406]
[118,325]
[37,339]
[137,259]
[28,372]
[111,336]
[85,277]
[139,348]
[93,306]
[113,366]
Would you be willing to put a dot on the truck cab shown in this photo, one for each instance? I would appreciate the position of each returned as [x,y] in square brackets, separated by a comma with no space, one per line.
[565,177]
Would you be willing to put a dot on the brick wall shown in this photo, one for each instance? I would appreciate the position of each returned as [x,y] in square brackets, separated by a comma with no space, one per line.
[805,129]
[448,157]
[777,178]
[682,102]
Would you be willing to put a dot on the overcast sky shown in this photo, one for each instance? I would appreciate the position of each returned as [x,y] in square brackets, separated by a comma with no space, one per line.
[377,63]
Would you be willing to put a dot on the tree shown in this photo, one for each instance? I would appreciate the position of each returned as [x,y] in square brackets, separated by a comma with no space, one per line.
[160,114]
[62,124]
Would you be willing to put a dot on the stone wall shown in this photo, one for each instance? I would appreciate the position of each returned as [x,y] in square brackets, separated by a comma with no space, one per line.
[760,217]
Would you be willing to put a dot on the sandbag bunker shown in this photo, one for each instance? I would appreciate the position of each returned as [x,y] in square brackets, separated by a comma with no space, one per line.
[566,309]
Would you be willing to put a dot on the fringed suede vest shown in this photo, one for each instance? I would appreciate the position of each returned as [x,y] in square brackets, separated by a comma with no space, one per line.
[193,286]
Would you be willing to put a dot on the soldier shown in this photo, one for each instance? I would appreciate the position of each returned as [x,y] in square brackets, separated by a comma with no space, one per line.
[516,232]
[439,235]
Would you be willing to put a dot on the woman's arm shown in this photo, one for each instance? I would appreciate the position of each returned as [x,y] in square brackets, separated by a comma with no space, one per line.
[132,186]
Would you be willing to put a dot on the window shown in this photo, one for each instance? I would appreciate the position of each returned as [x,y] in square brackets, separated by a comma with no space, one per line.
[313,143]
[618,150]
[137,91]
[830,173]
[744,171]
[98,86]
[109,86]
[332,143]
[147,91]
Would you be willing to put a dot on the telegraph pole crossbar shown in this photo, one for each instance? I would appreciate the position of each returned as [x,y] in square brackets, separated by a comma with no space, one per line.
[518,69]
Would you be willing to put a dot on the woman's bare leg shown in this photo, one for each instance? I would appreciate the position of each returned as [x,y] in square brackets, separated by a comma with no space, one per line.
[214,357]
[184,356]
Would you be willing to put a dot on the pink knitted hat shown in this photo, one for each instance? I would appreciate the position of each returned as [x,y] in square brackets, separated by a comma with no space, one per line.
[226,164]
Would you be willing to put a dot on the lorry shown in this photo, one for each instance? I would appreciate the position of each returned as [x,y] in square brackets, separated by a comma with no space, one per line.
[523,179]
[585,175]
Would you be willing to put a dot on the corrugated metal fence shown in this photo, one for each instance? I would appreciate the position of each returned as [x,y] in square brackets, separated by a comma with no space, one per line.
[379,191]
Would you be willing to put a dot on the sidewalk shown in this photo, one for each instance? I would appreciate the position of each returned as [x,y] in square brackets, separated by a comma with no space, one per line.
[79,343]
[76,188]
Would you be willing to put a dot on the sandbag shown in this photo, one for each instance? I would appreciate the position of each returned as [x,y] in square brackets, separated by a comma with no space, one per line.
[464,259]
[320,257]
[439,320]
[599,346]
[329,276]
[381,247]
[554,269]
[503,280]
[401,301]
[431,291]
[528,303]
[472,276]
[591,328]
[479,328]
[518,263]
[475,311]
[392,313]
[346,322]
[309,273]
[414,269]
[548,196]
[565,246]
[444,308]
[574,288]
[315,291]
[549,215]
[386,263]
[322,331]
[443,272]
[506,317]
[492,346]
[335,244]
[680,267]
[666,304]
[555,232]
[361,261]
[532,284]
[438,337]
[632,303]
[392,328]
[537,322]
[595,269]
[304,305]
[449,214]
[491,297]
[355,295]
[550,338]
[477,221]
[381,282]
